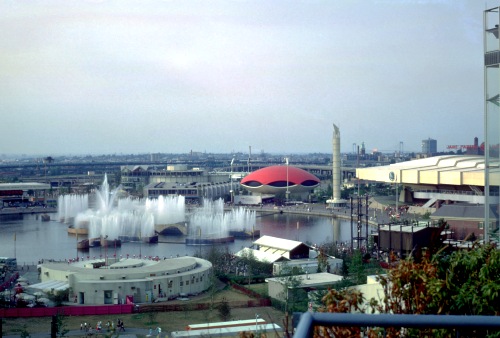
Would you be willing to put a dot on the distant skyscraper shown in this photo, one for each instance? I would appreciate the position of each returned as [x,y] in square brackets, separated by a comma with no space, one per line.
[429,146]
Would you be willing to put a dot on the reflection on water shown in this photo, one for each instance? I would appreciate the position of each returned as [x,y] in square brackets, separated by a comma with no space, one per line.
[30,239]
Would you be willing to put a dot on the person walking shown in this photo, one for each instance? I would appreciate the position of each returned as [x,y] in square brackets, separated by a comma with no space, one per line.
[121,325]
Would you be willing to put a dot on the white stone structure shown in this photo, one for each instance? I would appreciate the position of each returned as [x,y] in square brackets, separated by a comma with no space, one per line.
[336,200]
[137,280]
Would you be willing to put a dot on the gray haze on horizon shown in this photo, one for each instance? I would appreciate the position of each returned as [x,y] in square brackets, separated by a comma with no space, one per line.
[100,77]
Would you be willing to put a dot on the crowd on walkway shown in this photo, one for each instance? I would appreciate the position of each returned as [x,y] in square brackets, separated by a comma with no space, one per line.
[110,327]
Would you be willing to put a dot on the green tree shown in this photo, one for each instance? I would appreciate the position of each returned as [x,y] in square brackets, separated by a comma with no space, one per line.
[61,325]
[58,297]
[152,317]
[224,310]
[253,266]
[457,283]
[470,283]
[24,332]
[292,294]
[357,272]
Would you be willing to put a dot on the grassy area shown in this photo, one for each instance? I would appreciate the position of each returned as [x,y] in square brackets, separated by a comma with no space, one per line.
[168,321]
[260,288]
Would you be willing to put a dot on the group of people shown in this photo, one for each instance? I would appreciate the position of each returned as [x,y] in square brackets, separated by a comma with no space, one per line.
[110,326]
[156,333]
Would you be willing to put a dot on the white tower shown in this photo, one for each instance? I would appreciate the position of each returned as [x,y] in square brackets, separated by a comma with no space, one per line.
[336,201]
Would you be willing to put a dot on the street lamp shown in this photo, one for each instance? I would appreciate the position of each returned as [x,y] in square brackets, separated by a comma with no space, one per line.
[231,177]
[287,191]
[106,250]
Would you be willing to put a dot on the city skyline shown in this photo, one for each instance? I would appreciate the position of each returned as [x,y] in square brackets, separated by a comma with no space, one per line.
[104,77]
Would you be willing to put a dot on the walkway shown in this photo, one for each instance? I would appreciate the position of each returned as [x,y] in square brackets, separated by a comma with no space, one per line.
[129,333]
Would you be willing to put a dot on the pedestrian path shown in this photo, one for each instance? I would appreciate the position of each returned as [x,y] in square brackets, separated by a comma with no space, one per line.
[128,333]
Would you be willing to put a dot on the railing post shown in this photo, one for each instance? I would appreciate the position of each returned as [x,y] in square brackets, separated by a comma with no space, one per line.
[305,327]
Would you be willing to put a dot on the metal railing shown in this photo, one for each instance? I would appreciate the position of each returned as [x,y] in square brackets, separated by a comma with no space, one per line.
[309,320]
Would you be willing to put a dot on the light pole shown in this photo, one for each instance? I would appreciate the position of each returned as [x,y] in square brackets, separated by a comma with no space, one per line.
[231,177]
[256,318]
[106,250]
[397,197]
[287,191]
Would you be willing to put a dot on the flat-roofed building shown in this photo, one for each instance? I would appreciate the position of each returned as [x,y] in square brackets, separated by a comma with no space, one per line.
[280,288]
[192,183]
[22,194]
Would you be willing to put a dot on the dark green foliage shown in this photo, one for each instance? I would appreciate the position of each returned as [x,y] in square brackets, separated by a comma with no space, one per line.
[61,325]
[460,283]
[224,310]
[471,282]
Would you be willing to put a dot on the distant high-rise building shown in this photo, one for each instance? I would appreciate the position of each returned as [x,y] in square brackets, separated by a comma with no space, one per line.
[154,157]
[429,146]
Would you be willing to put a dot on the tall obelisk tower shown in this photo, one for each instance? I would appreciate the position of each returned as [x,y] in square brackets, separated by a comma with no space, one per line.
[336,200]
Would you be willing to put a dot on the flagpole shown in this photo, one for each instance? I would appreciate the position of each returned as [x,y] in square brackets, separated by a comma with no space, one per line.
[15,245]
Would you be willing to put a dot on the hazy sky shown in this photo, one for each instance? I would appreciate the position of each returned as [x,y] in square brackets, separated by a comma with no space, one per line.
[119,76]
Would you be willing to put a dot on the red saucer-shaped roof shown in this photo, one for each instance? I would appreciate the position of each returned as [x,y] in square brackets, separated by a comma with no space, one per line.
[276,177]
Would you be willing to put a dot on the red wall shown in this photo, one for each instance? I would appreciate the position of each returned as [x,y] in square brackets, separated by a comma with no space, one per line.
[67,311]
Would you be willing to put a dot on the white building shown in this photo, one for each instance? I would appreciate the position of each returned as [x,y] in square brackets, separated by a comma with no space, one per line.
[279,288]
[126,280]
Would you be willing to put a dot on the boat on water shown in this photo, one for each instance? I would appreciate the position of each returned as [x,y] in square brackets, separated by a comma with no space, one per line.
[84,244]
[77,231]
[96,241]
[244,234]
[145,239]
[110,242]
[209,240]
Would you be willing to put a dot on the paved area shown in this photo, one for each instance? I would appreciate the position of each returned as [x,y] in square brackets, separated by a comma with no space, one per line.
[129,333]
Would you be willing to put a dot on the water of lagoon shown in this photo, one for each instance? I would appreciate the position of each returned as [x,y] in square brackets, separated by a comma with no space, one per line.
[29,239]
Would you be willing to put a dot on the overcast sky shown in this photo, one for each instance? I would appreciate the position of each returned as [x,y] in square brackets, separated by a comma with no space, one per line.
[119,76]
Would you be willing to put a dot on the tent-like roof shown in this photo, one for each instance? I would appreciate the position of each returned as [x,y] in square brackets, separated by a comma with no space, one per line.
[276,243]
[50,285]
[261,256]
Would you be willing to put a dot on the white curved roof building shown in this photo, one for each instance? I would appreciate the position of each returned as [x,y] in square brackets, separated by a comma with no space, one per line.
[458,178]
[447,170]
[132,280]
